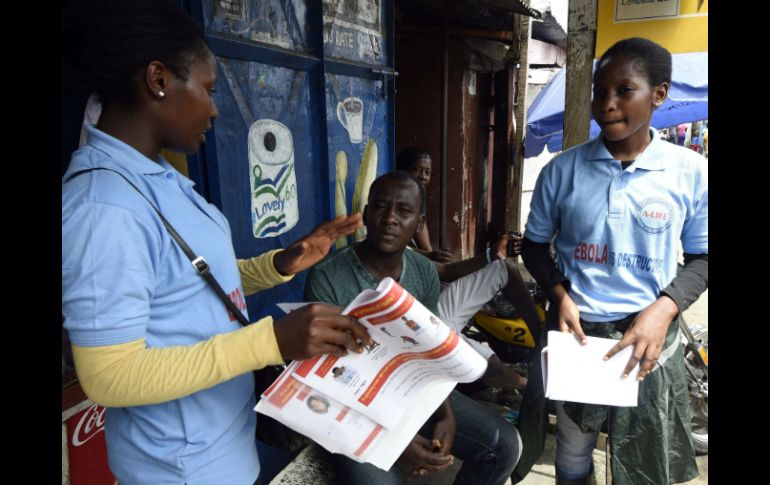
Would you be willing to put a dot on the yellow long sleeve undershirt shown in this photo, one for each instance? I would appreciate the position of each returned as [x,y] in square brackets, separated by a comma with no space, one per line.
[259,273]
[130,374]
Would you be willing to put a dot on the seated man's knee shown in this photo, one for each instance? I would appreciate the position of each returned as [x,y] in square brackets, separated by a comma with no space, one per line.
[504,440]
[510,444]
[350,472]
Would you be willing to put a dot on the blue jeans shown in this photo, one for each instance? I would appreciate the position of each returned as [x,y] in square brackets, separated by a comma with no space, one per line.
[574,448]
[488,445]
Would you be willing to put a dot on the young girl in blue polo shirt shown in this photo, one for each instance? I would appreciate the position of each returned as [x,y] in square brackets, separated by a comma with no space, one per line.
[618,206]
[151,340]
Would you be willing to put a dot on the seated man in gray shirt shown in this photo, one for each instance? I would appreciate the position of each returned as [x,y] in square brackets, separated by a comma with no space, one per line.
[488,445]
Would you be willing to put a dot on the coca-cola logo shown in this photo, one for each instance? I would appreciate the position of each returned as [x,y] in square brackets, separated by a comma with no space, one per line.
[89,425]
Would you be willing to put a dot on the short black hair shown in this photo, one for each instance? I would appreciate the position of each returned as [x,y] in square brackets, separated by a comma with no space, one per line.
[408,156]
[107,43]
[651,59]
[401,176]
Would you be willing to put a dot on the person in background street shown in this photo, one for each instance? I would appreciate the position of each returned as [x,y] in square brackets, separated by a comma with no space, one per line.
[681,133]
[627,198]
[151,340]
[488,445]
[695,144]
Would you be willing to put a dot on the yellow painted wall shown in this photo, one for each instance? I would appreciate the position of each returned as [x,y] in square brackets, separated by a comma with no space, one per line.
[688,32]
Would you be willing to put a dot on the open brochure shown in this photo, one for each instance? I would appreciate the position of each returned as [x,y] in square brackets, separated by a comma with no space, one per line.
[578,373]
[369,406]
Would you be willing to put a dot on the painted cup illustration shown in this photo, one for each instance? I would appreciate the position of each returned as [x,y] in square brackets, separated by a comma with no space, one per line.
[350,113]
[273,182]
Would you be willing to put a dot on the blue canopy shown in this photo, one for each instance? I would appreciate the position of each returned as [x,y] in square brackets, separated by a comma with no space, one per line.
[687,101]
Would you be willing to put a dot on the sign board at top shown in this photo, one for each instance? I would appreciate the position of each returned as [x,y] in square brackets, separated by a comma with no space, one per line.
[678,25]
[352,29]
[645,9]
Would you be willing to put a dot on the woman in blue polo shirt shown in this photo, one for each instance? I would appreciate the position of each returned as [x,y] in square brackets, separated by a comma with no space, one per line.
[151,340]
[618,206]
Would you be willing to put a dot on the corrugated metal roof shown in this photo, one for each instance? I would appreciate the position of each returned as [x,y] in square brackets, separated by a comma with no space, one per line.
[484,14]
[549,30]
[515,6]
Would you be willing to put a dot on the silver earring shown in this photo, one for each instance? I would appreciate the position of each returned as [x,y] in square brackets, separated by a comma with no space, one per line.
[161,94]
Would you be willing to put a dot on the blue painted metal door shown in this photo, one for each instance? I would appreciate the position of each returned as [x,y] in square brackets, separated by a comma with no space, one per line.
[298,83]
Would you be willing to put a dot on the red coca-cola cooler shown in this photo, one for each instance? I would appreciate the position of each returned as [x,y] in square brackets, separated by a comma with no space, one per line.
[84,451]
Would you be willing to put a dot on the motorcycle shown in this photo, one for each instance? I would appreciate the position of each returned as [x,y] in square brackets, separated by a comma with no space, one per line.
[695,340]
[504,330]
[501,326]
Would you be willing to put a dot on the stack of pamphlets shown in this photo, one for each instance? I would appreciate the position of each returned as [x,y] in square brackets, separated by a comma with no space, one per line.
[369,406]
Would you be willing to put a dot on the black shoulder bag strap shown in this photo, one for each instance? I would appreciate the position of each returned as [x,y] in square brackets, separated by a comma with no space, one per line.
[199,263]
[269,430]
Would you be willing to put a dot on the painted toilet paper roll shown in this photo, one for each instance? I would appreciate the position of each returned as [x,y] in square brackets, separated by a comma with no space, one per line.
[273,182]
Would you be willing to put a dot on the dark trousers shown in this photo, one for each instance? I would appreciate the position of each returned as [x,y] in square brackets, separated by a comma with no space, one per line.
[488,445]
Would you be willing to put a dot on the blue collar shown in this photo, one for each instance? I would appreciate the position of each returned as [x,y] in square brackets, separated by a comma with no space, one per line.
[652,158]
[130,158]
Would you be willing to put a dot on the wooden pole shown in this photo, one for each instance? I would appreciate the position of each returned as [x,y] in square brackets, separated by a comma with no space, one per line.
[515,173]
[442,242]
[581,41]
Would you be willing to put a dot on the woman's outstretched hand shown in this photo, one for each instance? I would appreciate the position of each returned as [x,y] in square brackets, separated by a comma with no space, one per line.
[309,250]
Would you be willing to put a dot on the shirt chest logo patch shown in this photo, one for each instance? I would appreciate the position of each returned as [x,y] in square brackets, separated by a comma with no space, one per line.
[653,215]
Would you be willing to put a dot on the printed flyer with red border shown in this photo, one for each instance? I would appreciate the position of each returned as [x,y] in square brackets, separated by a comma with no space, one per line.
[369,406]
